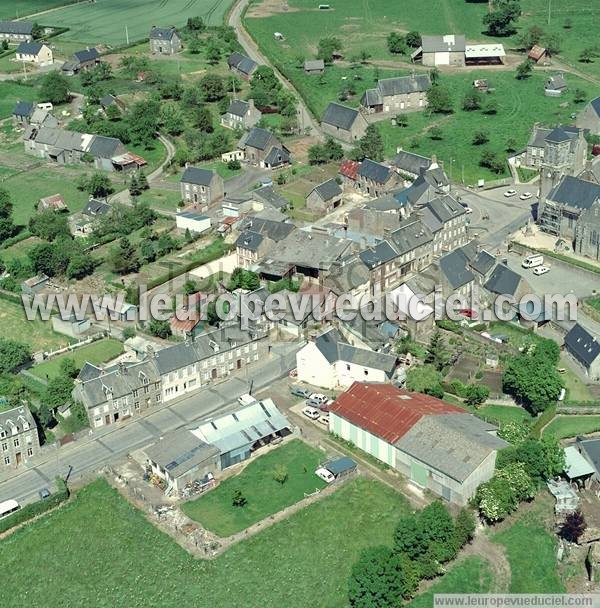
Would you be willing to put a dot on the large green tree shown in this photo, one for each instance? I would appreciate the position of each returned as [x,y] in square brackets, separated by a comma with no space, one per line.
[13,354]
[55,88]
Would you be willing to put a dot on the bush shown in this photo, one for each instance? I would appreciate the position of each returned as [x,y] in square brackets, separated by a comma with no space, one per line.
[36,508]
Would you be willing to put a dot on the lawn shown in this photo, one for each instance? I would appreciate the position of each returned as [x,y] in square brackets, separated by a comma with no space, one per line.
[38,334]
[11,92]
[265,496]
[21,8]
[96,353]
[133,565]
[166,200]
[531,551]
[501,414]
[104,21]
[473,575]
[571,426]
[517,336]
[577,389]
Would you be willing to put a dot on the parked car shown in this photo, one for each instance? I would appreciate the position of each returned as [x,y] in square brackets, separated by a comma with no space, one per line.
[324,420]
[246,399]
[525,196]
[541,270]
[531,261]
[325,475]
[44,493]
[468,312]
[510,193]
[298,391]
[311,412]
[318,397]
[468,210]
[324,407]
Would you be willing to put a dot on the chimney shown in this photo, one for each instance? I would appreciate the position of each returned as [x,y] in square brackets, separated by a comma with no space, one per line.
[122,368]
[398,149]
[150,351]
[251,104]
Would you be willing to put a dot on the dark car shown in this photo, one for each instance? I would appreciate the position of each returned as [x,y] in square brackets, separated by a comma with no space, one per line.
[44,493]
[298,391]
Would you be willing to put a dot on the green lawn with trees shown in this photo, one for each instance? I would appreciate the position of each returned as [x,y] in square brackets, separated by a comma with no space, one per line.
[282,566]
[97,352]
[270,483]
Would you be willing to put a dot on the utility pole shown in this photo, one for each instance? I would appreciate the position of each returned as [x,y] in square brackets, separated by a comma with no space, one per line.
[127,34]
[549,10]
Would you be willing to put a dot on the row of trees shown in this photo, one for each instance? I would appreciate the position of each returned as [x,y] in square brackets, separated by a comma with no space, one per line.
[385,577]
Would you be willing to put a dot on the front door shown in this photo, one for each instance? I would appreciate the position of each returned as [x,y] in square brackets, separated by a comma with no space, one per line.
[18,458]
[107,419]
[418,474]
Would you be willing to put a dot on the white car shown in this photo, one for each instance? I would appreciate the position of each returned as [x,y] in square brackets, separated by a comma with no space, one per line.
[541,270]
[324,420]
[325,475]
[468,210]
[525,196]
[318,397]
[510,193]
[311,412]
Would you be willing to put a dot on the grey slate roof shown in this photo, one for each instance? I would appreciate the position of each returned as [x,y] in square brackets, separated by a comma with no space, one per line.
[23,108]
[300,247]
[238,108]
[108,100]
[88,372]
[445,208]
[575,192]
[314,64]
[328,190]
[403,85]
[258,138]
[29,48]
[538,137]
[556,82]
[582,345]
[452,43]
[455,266]
[267,194]
[104,147]
[410,162]
[595,105]
[410,235]
[276,231]
[454,444]
[180,451]
[334,347]
[483,262]
[503,281]
[249,240]
[87,55]
[96,207]
[240,62]
[370,98]
[339,116]
[346,275]
[277,156]
[16,418]
[374,171]
[379,254]
[16,27]
[198,176]
[162,33]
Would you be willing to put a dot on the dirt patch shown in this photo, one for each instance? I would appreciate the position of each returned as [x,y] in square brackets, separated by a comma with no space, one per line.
[270,7]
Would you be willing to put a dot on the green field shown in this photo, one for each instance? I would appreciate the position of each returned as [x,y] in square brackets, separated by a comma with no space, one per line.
[571,426]
[96,352]
[114,558]
[11,9]
[531,551]
[265,496]
[502,414]
[104,21]
[473,575]
[38,334]
[10,93]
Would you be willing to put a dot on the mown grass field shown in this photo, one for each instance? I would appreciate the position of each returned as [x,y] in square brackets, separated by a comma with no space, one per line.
[96,353]
[571,426]
[104,21]
[11,9]
[473,575]
[38,334]
[116,559]
[265,496]
[501,414]
[531,552]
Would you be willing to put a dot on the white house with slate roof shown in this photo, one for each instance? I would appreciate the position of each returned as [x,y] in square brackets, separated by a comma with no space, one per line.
[201,186]
[585,349]
[401,94]
[16,31]
[241,115]
[34,52]
[164,40]
[325,197]
[342,122]
[330,362]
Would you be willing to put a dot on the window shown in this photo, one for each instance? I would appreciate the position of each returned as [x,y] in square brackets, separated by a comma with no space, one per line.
[136,405]
[4,446]
[146,389]
[16,442]
[347,367]
[135,392]
[7,460]
[2,434]
[29,451]
[158,397]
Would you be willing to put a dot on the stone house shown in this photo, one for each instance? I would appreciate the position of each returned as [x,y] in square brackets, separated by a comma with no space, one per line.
[34,52]
[16,31]
[585,349]
[342,122]
[325,197]
[375,179]
[81,61]
[401,94]
[19,440]
[262,148]
[23,112]
[164,41]
[201,186]
[241,115]
[242,65]
[589,118]
[257,237]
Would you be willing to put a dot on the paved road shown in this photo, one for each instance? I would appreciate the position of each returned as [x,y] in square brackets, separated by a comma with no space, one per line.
[90,454]
[305,119]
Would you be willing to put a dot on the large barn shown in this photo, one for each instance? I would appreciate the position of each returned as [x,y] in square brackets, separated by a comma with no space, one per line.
[438,446]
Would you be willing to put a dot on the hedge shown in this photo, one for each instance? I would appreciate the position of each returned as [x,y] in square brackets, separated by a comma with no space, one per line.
[36,508]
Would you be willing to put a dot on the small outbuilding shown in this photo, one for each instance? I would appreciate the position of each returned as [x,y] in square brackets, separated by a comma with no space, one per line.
[325,197]
[316,66]
[194,222]
[537,53]
[35,284]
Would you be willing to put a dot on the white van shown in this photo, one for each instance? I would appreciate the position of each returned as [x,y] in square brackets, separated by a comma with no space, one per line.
[246,399]
[45,106]
[531,261]
[325,475]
